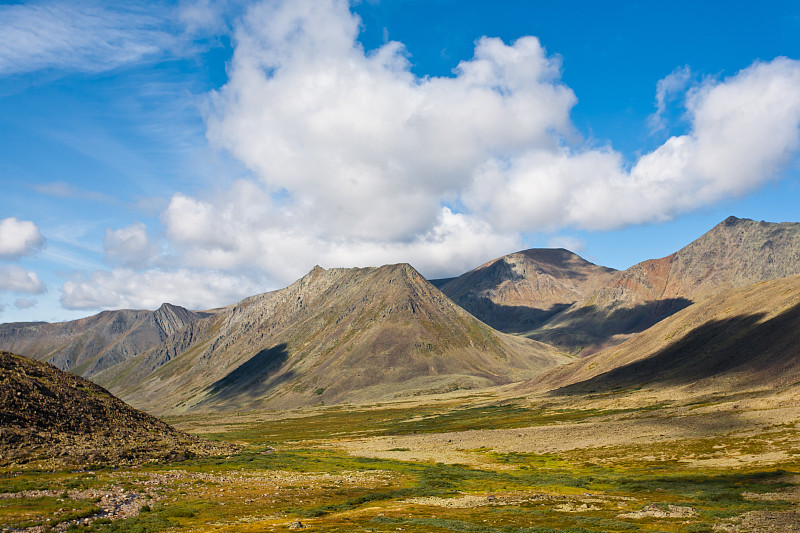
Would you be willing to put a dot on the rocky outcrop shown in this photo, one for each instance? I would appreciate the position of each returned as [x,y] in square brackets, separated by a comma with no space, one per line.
[50,417]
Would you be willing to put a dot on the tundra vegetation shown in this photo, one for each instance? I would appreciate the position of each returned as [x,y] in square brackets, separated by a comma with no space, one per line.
[481,463]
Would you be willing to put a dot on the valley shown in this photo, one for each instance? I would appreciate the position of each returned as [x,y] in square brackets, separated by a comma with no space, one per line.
[537,393]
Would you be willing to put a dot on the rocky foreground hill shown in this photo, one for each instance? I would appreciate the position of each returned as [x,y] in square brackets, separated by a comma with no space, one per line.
[50,417]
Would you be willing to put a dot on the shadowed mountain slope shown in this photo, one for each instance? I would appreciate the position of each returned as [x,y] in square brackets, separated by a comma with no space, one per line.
[519,292]
[735,253]
[333,336]
[53,417]
[88,345]
[742,339]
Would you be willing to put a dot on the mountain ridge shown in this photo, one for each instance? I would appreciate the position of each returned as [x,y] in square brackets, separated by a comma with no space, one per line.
[88,345]
[334,335]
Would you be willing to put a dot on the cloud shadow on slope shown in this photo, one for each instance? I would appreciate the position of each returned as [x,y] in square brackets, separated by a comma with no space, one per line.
[592,325]
[255,377]
[758,353]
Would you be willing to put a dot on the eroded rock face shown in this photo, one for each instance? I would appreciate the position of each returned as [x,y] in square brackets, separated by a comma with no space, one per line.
[50,416]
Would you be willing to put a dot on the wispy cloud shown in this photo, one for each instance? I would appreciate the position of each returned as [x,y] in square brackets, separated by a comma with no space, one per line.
[65,190]
[82,35]
[667,88]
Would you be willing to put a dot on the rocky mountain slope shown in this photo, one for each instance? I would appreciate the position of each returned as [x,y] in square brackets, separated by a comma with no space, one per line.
[88,345]
[521,291]
[338,335]
[735,253]
[50,417]
[745,339]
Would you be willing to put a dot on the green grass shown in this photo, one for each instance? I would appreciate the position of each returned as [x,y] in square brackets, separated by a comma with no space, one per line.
[404,421]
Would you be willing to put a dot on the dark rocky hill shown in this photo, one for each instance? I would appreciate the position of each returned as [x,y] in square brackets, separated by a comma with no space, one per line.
[50,417]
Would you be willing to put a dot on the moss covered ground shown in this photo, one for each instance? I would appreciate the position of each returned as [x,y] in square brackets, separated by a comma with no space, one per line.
[294,471]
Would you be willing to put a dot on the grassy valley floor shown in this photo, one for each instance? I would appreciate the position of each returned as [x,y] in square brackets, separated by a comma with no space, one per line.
[624,461]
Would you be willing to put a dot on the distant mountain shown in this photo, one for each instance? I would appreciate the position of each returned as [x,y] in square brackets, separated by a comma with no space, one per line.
[338,335]
[88,345]
[51,417]
[735,253]
[519,292]
[743,339]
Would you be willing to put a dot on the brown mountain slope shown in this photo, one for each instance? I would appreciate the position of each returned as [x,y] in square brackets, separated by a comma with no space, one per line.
[743,339]
[520,291]
[333,336]
[50,416]
[735,253]
[88,345]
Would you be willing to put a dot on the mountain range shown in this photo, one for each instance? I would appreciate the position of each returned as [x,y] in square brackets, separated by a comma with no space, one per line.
[367,334]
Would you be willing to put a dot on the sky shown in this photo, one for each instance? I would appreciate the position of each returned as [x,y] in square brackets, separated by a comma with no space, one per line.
[198,151]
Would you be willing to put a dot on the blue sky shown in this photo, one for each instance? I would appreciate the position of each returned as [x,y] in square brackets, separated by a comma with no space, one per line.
[198,152]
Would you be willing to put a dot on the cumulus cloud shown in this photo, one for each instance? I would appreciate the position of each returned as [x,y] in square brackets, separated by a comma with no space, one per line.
[18,238]
[124,288]
[246,228]
[361,146]
[357,161]
[129,247]
[14,278]
[361,150]
[744,129]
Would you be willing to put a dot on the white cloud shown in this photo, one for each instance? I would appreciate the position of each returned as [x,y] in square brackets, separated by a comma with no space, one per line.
[666,89]
[360,162]
[363,148]
[124,288]
[85,36]
[18,238]
[743,131]
[130,246]
[245,228]
[14,278]
[25,303]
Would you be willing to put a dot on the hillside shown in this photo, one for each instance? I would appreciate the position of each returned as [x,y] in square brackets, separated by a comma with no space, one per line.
[338,335]
[88,345]
[48,416]
[518,292]
[735,253]
[741,340]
